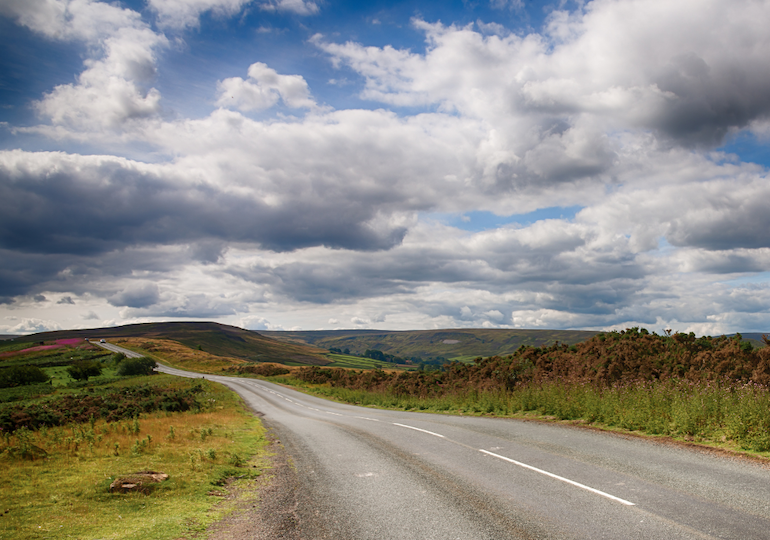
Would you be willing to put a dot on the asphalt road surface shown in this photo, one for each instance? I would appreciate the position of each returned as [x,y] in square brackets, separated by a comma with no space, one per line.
[374,474]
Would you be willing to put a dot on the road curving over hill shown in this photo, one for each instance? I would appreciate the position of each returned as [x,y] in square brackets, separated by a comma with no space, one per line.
[374,474]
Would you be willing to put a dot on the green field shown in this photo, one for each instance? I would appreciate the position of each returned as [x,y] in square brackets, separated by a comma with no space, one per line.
[359,362]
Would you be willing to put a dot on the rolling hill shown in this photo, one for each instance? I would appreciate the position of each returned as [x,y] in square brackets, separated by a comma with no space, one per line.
[214,338]
[458,344]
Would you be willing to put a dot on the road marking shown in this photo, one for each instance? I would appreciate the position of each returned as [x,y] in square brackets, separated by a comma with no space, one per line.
[567,480]
[418,429]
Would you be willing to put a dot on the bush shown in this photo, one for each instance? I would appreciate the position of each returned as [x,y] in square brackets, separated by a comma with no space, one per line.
[21,376]
[113,405]
[83,369]
[136,366]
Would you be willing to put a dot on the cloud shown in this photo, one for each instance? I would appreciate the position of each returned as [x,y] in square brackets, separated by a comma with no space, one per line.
[66,300]
[335,215]
[509,4]
[263,90]
[102,203]
[184,305]
[112,90]
[182,14]
[258,323]
[137,295]
[298,7]
[33,326]
[86,20]
[553,101]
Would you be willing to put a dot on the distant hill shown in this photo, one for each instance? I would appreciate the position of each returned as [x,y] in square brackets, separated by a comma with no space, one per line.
[755,338]
[459,344]
[214,338]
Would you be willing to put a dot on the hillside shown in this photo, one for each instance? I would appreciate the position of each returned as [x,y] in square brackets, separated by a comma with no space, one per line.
[628,357]
[458,344]
[214,338]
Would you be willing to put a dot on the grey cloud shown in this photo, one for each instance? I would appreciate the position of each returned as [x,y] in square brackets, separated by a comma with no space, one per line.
[727,223]
[23,273]
[727,262]
[88,206]
[66,300]
[208,251]
[195,305]
[326,283]
[583,281]
[707,101]
[138,295]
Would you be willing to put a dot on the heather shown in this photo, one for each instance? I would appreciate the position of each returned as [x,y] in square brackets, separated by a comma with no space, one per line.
[710,389]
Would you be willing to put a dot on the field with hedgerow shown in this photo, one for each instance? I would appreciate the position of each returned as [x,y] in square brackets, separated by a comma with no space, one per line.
[710,390]
[74,419]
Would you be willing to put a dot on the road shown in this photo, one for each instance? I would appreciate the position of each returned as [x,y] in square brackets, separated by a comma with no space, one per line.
[376,474]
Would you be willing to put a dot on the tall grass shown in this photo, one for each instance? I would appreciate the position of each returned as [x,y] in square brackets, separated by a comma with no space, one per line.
[698,411]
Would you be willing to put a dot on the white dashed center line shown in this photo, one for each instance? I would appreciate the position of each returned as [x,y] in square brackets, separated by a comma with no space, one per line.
[561,478]
[418,429]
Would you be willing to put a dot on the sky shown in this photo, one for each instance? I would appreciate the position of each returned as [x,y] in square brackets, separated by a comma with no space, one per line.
[324,164]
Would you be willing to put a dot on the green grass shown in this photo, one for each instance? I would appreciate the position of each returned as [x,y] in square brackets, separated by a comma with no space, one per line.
[11,346]
[359,362]
[65,494]
[27,392]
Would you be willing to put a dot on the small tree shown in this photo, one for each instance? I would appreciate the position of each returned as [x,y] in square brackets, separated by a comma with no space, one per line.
[136,366]
[83,369]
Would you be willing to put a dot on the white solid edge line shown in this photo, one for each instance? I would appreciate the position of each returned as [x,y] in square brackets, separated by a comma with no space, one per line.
[530,467]
[418,429]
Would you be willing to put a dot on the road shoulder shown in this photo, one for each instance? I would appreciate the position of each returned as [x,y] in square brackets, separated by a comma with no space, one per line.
[265,509]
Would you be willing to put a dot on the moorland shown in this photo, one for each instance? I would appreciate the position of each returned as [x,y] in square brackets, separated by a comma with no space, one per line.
[73,417]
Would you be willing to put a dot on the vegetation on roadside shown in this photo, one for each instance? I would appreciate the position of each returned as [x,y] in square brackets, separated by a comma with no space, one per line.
[65,437]
[704,389]
[56,479]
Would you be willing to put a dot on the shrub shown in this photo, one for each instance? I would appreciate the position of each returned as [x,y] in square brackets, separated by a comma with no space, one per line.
[114,405]
[83,369]
[265,370]
[136,366]
[21,376]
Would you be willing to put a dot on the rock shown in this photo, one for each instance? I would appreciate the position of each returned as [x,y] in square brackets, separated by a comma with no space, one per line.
[142,481]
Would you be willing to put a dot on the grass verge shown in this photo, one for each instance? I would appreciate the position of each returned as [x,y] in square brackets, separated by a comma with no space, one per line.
[734,417]
[55,481]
